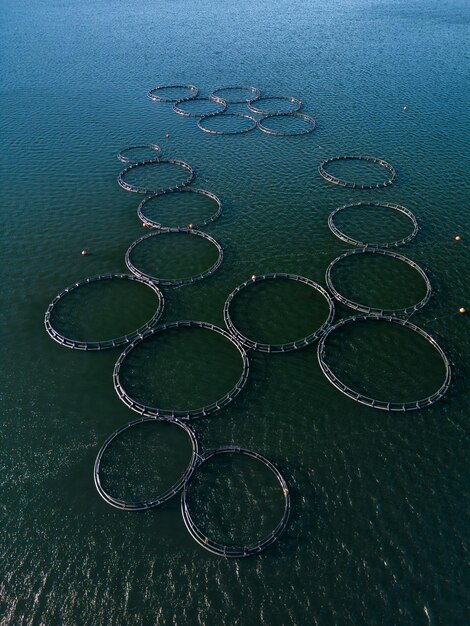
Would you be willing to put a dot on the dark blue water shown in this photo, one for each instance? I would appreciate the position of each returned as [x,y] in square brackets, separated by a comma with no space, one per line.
[379,526]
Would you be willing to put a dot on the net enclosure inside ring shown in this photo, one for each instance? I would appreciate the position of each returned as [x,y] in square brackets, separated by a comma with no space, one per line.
[253,547]
[285,280]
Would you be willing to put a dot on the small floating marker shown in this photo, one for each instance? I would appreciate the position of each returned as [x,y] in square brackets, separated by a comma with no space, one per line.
[405,108]
[457,238]
[84,252]
[253,277]
[167,136]
[462,310]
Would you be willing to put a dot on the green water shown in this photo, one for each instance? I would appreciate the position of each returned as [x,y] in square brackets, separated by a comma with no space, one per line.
[379,526]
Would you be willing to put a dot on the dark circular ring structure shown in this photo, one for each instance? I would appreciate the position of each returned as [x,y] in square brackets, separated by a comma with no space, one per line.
[110,343]
[124,159]
[380,404]
[280,347]
[174,281]
[201,120]
[371,310]
[345,183]
[152,93]
[202,192]
[256,109]
[161,498]
[156,412]
[232,551]
[254,90]
[386,205]
[177,109]
[136,189]
[287,133]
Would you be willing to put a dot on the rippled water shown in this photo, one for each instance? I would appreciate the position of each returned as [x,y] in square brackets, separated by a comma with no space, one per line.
[379,531]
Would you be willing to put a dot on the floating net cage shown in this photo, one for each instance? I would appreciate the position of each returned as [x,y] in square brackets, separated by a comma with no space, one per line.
[244,550]
[142,505]
[141,164]
[380,404]
[125,157]
[352,185]
[254,91]
[156,412]
[208,116]
[157,94]
[174,281]
[222,104]
[191,190]
[385,205]
[257,108]
[109,343]
[376,310]
[287,133]
[281,347]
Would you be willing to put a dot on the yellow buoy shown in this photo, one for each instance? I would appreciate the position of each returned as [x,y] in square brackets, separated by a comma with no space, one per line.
[462,310]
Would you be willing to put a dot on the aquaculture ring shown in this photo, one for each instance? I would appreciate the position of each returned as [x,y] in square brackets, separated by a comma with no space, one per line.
[180,111]
[174,281]
[152,93]
[279,347]
[151,411]
[380,404]
[137,189]
[371,310]
[163,497]
[231,551]
[345,183]
[256,109]
[110,343]
[386,205]
[124,159]
[287,133]
[254,90]
[202,192]
[200,121]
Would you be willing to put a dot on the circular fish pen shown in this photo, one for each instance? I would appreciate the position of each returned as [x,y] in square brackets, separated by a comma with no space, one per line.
[162,497]
[253,90]
[155,93]
[280,347]
[334,180]
[216,101]
[375,310]
[257,109]
[236,551]
[174,281]
[380,404]
[137,189]
[386,205]
[240,131]
[201,192]
[110,343]
[287,133]
[127,159]
[161,413]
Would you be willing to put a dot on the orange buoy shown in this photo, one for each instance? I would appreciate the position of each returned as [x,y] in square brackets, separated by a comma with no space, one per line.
[84,252]
[457,238]
[462,310]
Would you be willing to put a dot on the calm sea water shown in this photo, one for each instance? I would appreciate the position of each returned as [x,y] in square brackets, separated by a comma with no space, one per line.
[379,526]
